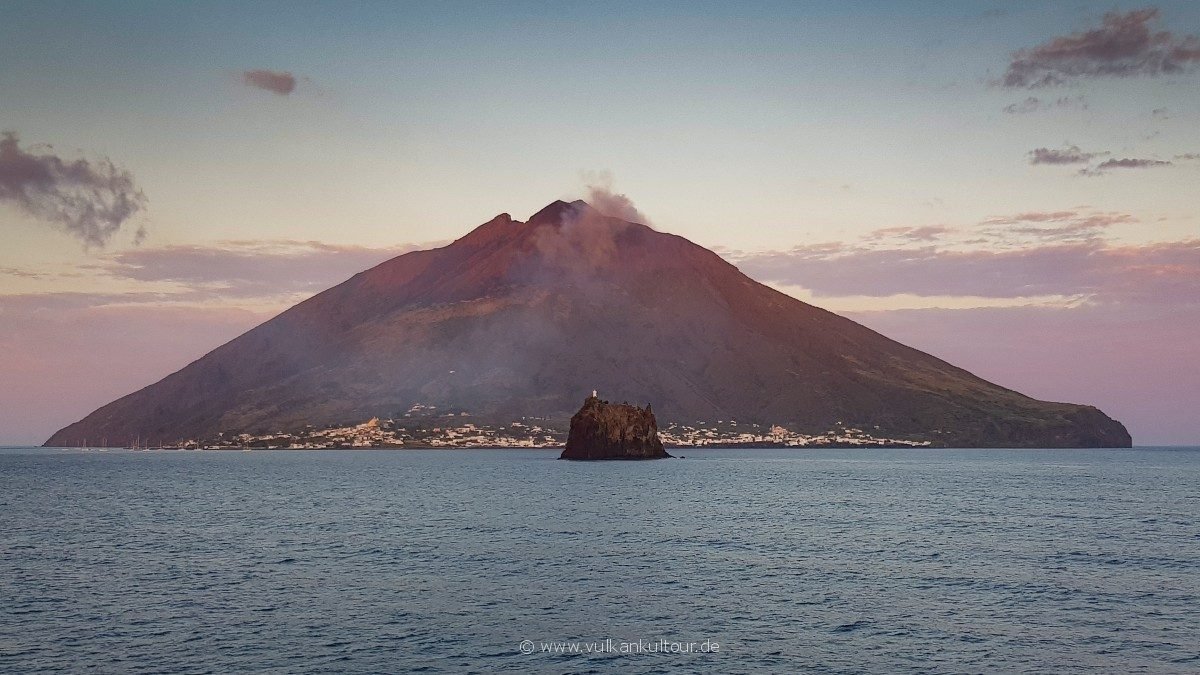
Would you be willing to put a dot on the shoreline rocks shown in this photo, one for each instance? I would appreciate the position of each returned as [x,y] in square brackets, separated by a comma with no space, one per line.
[603,430]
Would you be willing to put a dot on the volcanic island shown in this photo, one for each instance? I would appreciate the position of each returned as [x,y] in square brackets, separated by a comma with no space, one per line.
[488,342]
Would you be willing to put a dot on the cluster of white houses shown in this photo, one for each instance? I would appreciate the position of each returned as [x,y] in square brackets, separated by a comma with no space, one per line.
[452,431]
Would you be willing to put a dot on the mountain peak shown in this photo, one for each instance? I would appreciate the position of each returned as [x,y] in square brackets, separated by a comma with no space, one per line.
[497,228]
[558,211]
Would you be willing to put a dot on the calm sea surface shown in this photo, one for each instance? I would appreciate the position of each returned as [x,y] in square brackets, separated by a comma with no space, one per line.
[882,561]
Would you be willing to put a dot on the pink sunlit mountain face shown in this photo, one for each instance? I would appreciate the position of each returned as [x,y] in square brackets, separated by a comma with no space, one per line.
[521,319]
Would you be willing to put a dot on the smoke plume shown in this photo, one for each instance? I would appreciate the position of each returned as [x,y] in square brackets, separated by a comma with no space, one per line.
[601,196]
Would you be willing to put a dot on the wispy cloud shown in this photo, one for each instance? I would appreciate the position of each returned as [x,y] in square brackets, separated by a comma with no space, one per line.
[1073,220]
[1154,273]
[1034,104]
[1123,46]
[919,234]
[1069,154]
[278,82]
[1034,217]
[21,273]
[1040,227]
[1073,154]
[1024,255]
[1127,163]
[90,200]
[249,268]
[1124,163]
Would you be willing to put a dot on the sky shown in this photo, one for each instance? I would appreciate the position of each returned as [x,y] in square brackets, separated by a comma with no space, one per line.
[1011,186]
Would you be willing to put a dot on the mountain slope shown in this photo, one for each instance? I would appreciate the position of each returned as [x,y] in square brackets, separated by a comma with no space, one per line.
[521,318]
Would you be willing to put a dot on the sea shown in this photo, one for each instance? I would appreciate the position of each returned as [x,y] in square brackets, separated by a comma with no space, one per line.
[486,561]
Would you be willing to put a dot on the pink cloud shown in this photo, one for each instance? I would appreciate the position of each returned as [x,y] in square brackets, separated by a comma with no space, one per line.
[1025,255]
[250,268]
[1053,226]
[925,233]
[1035,217]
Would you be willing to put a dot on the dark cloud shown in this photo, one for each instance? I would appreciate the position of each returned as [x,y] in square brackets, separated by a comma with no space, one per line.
[1127,163]
[1123,163]
[1123,46]
[1070,154]
[248,269]
[278,82]
[89,200]
[1188,156]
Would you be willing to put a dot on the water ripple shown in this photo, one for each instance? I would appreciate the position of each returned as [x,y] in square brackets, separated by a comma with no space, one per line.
[442,562]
